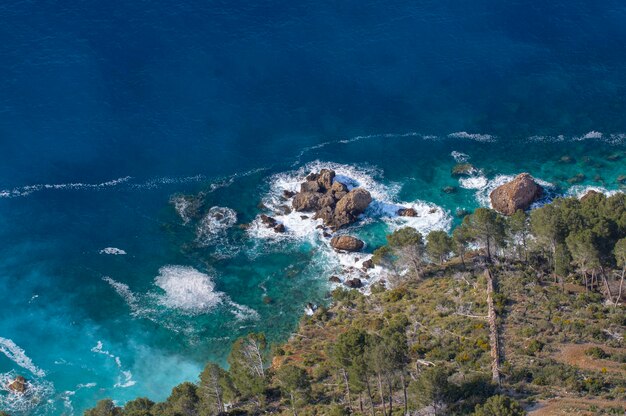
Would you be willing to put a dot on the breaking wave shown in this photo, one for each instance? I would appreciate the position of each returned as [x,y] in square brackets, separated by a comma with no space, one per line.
[125,377]
[214,224]
[113,251]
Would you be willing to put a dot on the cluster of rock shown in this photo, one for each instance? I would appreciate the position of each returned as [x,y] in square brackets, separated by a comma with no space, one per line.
[271,222]
[520,193]
[330,200]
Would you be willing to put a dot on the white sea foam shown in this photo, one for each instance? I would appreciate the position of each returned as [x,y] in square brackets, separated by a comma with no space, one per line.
[579,191]
[590,135]
[38,393]
[214,224]
[459,157]
[29,189]
[19,357]
[113,251]
[472,136]
[187,289]
[473,182]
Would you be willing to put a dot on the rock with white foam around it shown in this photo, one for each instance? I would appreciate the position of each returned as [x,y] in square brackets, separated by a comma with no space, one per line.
[18,385]
[330,200]
[520,193]
[346,243]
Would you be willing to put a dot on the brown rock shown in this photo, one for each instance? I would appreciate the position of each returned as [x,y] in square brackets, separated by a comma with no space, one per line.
[280,228]
[18,385]
[327,200]
[338,187]
[288,194]
[305,201]
[310,186]
[346,243]
[267,220]
[354,283]
[350,207]
[517,194]
[407,212]
[368,264]
[334,279]
[325,179]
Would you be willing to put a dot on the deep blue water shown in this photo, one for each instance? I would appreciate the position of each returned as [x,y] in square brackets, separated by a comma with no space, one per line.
[125,105]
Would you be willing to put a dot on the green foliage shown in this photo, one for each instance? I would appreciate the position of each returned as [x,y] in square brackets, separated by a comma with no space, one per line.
[487,228]
[432,389]
[215,389]
[405,237]
[141,406]
[597,352]
[104,407]
[295,384]
[438,245]
[620,252]
[499,405]
[247,365]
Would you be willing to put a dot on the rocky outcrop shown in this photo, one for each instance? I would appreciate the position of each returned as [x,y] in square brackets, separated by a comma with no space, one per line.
[346,243]
[18,385]
[334,279]
[354,283]
[520,193]
[331,200]
[368,264]
[271,222]
[407,212]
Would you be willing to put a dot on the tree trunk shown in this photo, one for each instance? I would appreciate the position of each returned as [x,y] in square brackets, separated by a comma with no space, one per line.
[621,284]
[493,330]
[345,378]
[293,404]
[369,395]
[406,404]
[390,397]
[382,395]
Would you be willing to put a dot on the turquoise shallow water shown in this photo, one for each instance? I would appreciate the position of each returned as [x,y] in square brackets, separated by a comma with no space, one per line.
[109,112]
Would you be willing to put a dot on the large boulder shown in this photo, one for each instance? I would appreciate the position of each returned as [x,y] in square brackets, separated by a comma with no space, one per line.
[346,243]
[17,385]
[306,201]
[520,193]
[348,208]
[407,212]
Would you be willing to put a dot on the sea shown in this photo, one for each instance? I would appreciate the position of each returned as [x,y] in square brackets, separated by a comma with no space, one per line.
[140,141]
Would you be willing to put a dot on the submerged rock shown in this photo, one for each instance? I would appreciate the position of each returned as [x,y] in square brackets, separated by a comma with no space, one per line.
[463,169]
[520,193]
[346,243]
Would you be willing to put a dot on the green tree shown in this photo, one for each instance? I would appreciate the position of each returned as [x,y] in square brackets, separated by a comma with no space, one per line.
[141,406]
[518,232]
[584,252]
[548,229]
[348,354]
[432,389]
[183,401]
[295,384]
[461,239]
[438,245]
[499,405]
[487,228]
[104,407]
[215,389]
[247,366]
[407,246]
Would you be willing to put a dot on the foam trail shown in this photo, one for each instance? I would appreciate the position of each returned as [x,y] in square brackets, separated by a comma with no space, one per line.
[460,157]
[19,357]
[27,190]
[473,136]
[125,378]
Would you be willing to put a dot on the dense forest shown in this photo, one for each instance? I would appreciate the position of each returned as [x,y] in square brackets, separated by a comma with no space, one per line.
[500,317]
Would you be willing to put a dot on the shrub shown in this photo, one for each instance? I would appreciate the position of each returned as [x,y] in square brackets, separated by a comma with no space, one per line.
[596,352]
